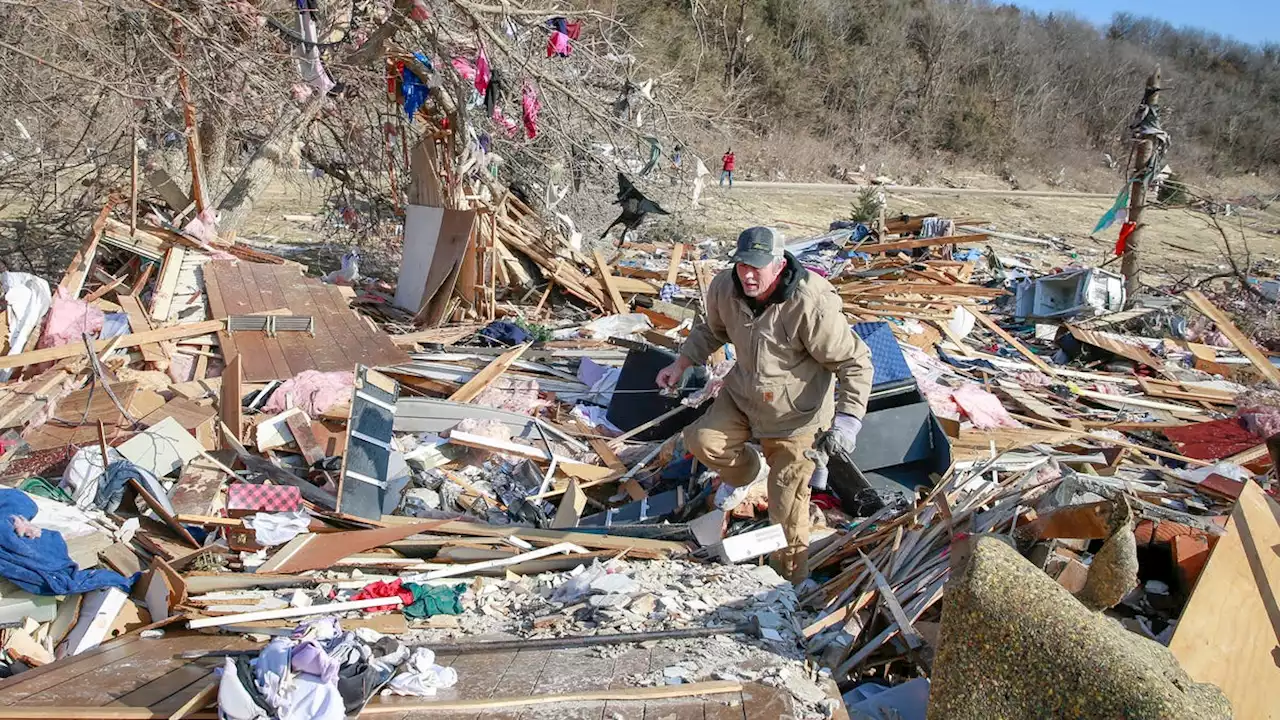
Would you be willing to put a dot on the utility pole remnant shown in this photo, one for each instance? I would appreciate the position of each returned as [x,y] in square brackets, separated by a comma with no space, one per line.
[1144,149]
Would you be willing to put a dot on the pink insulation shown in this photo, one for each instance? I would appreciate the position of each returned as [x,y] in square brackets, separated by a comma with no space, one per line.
[313,391]
[68,320]
[984,409]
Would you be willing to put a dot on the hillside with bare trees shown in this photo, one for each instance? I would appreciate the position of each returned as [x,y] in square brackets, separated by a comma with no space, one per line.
[975,82]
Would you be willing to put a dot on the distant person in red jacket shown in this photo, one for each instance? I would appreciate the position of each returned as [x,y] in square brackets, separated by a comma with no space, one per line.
[727,163]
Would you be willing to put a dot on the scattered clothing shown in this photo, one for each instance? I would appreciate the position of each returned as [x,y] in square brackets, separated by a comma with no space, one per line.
[935,227]
[1119,208]
[84,472]
[40,564]
[493,95]
[111,486]
[309,657]
[271,529]
[422,676]
[558,44]
[414,90]
[635,207]
[238,696]
[1122,242]
[383,589]
[429,600]
[503,333]
[28,299]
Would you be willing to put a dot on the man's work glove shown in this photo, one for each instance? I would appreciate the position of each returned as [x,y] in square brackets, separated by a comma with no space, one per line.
[842,437]
[844,433]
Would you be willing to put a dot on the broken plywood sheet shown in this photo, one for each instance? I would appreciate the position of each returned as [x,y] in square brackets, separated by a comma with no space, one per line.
[312,551]
[196,491]
[193,417]
[1236,650]
[342,338]
[75,417]
[162,448]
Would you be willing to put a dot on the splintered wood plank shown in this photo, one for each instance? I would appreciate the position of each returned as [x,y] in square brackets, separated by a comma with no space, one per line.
[485,377]
[139,322]
[230,411]
[615,297]
[167,284]
[673,267]
[1013,342]
[77,415]
[197,488]
[1236,649]
[1237,338]
[77,349]
[300,427]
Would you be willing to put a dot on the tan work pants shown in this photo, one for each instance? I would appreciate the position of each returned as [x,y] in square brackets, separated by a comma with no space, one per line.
[719,441]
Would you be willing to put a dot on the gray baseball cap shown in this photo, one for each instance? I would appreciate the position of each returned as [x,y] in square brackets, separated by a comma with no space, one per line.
[759,246]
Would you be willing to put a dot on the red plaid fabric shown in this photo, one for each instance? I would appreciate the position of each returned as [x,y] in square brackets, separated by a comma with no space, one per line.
[263,498]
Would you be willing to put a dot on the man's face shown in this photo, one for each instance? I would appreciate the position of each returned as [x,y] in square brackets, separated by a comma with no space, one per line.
[756,281]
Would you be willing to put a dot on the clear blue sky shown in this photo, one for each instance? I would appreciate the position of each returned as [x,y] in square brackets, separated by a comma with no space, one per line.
[1253,21]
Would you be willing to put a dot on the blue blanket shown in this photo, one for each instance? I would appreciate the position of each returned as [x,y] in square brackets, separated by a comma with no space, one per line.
[41,565]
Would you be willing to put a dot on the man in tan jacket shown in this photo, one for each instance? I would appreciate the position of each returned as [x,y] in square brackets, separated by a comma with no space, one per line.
[792,342]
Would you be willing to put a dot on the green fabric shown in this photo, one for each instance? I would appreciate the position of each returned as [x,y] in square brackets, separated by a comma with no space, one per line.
[1109,217]
[434,600]
[45,489]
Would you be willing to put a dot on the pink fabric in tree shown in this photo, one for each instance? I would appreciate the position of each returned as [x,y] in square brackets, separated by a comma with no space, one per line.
[558,44]
[508,125]
[464,68]
[531,106]
[483,72]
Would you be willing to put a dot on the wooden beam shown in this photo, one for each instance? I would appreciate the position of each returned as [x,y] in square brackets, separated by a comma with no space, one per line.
[78,269]
[1227,632]
[292,612]
[1121,443]
[175,332]
[1237,338]
[139,322]
[923,242]
[611,288]
[643,546]
[639,694]
[485,377]
[1022,349]
[673,268]
[167,284]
